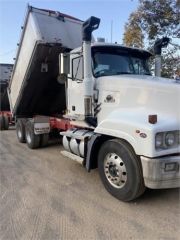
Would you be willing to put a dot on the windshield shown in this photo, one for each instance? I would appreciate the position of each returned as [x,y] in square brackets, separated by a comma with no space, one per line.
[109,61]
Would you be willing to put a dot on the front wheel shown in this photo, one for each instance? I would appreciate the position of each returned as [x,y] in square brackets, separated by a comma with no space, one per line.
[120,170]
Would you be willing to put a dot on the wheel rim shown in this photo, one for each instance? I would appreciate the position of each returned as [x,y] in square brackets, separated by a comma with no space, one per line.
[115,170]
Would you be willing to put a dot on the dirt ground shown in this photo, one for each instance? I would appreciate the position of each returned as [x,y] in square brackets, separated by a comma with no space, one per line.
[44,195]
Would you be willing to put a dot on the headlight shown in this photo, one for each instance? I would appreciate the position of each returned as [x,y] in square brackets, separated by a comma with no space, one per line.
[170,139]
[165,140]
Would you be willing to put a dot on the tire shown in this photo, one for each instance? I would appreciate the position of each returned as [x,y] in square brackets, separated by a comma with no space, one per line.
[44,140]
[120,170]
[32,140]
[20,131]
[1,122]
[6,123]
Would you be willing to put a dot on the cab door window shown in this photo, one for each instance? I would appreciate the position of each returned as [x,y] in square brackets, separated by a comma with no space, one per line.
[77,69]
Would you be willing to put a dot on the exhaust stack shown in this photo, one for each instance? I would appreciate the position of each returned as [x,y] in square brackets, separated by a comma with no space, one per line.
[159,44]
[88,27]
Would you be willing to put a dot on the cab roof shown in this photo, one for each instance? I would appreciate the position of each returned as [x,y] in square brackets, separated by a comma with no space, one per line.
[115,45]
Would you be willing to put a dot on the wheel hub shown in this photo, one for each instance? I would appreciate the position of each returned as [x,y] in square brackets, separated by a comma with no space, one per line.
[115,170]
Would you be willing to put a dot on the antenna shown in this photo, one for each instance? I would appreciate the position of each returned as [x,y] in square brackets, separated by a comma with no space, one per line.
[111,30]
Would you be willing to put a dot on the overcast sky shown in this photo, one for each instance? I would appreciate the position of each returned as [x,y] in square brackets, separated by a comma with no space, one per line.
[12,14]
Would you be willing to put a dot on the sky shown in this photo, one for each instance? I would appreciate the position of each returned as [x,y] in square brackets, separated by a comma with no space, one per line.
[113,14]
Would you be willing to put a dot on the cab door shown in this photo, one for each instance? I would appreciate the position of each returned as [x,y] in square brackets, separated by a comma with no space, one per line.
[76,88]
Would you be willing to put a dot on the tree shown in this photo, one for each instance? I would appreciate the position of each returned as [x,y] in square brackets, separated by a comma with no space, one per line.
[170,61]
[159,18]
[156,19]
[133,36]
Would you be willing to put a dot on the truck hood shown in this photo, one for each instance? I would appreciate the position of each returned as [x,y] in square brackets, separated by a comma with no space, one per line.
[148,94]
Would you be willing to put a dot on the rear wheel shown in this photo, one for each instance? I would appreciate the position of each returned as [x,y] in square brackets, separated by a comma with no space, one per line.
[120,170]
[44,139]
[32,140]
[1,122]
[6,123]
[20,130]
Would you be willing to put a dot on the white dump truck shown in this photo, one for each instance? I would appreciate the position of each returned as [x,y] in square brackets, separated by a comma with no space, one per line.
[112,114]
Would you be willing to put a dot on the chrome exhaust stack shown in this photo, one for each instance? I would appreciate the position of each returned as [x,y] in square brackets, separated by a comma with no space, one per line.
[88,27]
[159,44]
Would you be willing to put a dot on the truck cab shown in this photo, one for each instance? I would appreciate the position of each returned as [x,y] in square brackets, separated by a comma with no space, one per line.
[134,119]
[107,60]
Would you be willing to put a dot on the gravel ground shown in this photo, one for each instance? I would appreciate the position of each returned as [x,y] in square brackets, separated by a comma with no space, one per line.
[44,195]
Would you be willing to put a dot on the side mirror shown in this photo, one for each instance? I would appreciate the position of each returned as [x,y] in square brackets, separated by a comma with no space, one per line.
[63,67]
[64,63]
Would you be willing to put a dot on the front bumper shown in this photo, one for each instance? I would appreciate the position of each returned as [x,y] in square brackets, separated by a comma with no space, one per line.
[161,172]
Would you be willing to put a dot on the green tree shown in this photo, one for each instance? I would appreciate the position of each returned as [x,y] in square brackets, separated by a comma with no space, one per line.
[156,19]
[159,18]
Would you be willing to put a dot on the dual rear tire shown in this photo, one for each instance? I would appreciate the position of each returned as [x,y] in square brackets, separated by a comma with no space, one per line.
[20,130]
[25,134]
[4,122]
